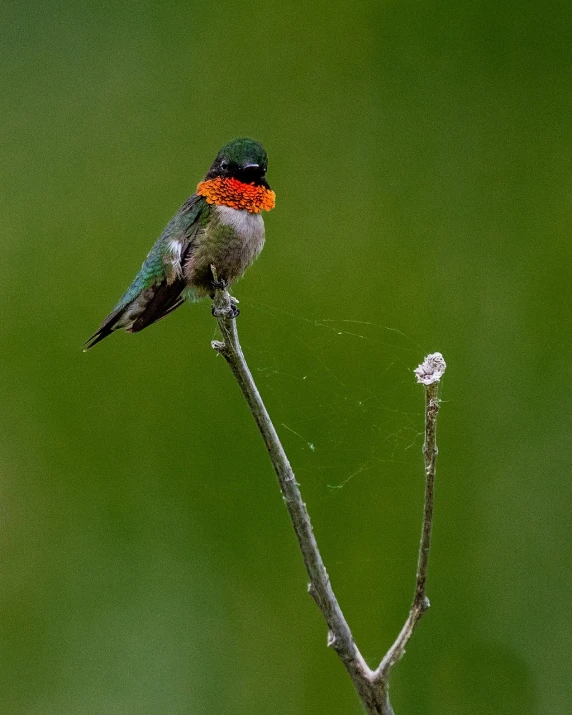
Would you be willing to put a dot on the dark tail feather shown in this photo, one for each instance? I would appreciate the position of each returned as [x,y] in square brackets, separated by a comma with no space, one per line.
[166,298]
[138,325]
[107,327]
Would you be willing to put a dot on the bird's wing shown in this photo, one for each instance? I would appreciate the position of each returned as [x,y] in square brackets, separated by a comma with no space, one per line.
[157,288]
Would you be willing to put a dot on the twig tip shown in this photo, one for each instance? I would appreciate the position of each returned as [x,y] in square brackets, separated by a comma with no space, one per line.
[431,369]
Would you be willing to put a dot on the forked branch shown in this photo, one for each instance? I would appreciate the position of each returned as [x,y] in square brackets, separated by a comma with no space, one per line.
[371,685]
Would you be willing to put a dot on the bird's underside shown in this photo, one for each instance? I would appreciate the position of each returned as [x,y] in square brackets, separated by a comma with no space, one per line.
[179,266]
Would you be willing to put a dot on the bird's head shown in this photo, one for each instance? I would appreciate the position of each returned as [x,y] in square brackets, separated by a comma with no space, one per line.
[242,159]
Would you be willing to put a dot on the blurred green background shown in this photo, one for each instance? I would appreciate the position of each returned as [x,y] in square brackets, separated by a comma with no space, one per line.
[420,153]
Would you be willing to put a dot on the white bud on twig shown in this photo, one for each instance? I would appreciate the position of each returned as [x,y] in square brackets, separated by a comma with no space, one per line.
[431,369]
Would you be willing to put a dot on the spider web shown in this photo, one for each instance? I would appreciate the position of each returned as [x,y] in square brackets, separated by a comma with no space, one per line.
[341,393]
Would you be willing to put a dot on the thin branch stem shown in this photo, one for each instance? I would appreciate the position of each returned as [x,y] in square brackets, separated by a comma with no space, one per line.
[339,636]
[420,601]
[371,686]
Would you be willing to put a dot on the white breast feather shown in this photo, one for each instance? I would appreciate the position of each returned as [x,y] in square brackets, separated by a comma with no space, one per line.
[247,225]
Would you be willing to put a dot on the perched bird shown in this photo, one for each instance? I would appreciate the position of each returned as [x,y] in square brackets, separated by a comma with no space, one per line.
[219,225]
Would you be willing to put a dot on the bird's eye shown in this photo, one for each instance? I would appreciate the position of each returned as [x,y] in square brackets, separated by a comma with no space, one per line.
[224,164]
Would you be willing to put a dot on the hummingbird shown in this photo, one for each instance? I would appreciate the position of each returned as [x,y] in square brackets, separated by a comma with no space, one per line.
[220,225]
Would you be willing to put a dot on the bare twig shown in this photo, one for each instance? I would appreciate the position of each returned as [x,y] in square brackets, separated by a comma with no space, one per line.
[428,373]
[371,686]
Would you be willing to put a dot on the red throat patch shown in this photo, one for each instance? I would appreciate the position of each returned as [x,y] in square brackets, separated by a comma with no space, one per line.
[233,193]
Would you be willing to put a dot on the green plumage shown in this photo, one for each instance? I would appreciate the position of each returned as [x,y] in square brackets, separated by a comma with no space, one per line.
[156,290]
[156,268]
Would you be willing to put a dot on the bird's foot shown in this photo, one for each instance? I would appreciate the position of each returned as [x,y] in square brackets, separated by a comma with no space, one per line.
[219,284]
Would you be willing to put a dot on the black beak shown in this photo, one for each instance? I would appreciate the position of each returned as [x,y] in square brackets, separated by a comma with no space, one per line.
[252,174]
